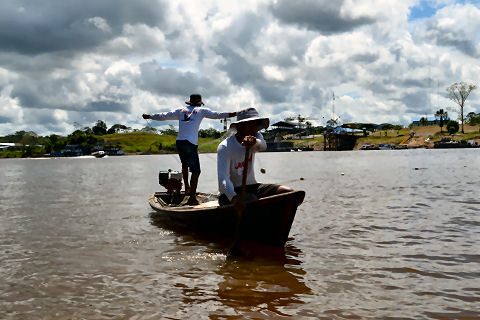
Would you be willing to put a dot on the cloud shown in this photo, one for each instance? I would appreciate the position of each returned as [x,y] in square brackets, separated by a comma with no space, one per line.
[455,26]
[170,81]
[107,106]
[324,16]
[70,61]
[35,27]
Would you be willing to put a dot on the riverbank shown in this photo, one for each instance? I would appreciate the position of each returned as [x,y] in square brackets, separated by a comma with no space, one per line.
[147,143]
[423,137]
[136,143]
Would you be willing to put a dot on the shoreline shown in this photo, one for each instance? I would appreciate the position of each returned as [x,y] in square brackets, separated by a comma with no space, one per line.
[423,137]
[418,143]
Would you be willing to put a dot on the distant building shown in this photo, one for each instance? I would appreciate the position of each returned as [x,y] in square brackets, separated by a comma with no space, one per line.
[113,150]
[6,145]
[283,126]
[428,122]
[73,151]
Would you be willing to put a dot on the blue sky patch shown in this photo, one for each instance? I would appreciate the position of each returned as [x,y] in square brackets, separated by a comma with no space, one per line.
[428,8]
[423,10]
[353,94]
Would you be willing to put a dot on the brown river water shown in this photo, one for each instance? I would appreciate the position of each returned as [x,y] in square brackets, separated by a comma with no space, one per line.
[380,235]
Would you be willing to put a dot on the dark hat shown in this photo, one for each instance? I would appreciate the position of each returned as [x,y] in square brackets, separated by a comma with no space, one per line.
[195,100]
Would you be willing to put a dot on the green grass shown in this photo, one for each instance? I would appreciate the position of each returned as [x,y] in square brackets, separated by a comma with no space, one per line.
[141,143]
[299,143]
[467,136]
[148,143]
[377,139]
[10,154]
[208,145]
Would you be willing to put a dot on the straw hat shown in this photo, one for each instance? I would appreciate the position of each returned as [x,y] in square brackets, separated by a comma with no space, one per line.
[250,114]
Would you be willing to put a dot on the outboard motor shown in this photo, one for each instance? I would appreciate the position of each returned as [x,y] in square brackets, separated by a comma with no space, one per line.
[171,180]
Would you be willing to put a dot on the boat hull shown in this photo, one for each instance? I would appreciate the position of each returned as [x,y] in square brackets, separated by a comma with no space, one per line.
[267,220]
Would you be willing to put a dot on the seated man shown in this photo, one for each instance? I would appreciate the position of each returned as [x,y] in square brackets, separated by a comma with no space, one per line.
[231,157]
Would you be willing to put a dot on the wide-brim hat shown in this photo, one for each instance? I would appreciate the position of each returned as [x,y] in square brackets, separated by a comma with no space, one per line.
[250,114]
[195,100]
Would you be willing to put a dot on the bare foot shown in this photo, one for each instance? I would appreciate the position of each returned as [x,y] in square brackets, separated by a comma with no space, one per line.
[192,201]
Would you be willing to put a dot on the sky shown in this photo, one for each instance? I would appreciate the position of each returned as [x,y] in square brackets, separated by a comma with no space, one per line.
[65,64]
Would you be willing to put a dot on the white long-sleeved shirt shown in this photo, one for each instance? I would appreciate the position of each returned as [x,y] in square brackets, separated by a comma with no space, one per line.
[189,119]
[230,163]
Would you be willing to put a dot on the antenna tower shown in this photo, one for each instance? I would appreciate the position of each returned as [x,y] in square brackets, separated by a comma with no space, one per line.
[333,104]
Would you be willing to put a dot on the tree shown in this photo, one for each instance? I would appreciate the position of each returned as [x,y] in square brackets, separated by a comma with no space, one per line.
[423,121]
[458,93]
[472,118]
[170,132]
[149,129]
[100,127]
[86,130]
[442,116]
[331,123]
[316,130]
[367,127]
[117,128]
[53,143]
[452,126]
[397,128]
[386,127]
[29,139]
[209,133]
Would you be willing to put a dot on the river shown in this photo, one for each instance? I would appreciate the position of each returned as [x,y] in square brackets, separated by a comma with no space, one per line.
[381,234]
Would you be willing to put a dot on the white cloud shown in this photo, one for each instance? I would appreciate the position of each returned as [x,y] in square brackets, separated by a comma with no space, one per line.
[100,23]
[273,73]
[284,57]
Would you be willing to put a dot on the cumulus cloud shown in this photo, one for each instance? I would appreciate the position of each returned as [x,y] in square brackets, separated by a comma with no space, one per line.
[170,81]
[35,27]
[70,61]
[324,16]
[455,26]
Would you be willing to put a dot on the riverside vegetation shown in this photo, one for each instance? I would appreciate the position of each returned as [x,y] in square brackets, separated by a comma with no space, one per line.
[151,141]
[424,136]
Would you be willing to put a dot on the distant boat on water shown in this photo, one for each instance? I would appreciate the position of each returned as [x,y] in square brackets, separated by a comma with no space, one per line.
[98,151]
[99,154]
[450,143]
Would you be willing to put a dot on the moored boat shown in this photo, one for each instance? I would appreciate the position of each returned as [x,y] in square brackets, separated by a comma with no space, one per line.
[267,220]
[450,143]
[99,154]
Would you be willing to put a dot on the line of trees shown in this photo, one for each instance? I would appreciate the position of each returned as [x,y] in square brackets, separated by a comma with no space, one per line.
[31,144]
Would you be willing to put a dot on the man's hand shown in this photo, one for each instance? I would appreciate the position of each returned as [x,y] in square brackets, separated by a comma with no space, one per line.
[238,205]
[146,116]
[249,141]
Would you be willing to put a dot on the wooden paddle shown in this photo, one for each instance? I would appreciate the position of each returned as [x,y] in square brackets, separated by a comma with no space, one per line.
[235,250]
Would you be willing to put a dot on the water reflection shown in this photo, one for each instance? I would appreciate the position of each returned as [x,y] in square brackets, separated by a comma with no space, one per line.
[270,286]
[265,282]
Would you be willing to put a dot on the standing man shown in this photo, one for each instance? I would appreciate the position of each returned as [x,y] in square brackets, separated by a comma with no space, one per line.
[231,157]
[189,119]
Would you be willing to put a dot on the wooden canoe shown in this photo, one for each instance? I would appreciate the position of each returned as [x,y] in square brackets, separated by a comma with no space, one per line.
[267,220]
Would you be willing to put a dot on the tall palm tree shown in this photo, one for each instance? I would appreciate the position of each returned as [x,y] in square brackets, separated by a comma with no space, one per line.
[442,115]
